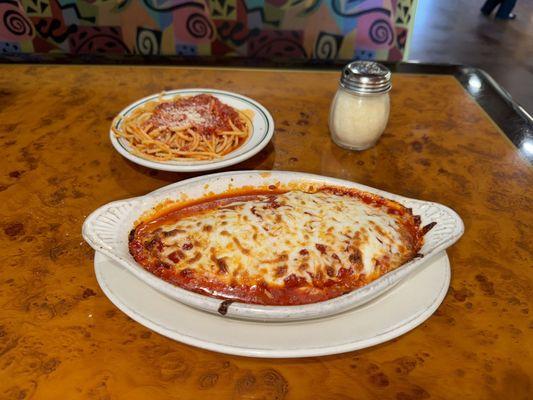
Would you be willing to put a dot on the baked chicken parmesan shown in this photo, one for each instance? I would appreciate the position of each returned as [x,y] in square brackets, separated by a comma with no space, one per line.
[278,247]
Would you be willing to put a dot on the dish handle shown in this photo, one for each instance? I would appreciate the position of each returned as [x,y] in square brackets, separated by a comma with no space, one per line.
[105,230]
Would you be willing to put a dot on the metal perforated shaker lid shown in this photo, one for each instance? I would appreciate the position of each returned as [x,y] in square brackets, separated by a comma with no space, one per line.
[366,77]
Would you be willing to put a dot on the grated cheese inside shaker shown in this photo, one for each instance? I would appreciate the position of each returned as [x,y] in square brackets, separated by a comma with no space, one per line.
[360,109]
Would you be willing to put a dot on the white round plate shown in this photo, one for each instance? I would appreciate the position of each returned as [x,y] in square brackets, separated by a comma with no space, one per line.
[396,312]
[262,132]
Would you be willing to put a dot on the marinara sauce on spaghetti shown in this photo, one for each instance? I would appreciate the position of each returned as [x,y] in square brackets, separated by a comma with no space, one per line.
[197,127]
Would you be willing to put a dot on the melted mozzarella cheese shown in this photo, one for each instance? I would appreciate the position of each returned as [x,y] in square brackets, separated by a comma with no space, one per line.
[272,237]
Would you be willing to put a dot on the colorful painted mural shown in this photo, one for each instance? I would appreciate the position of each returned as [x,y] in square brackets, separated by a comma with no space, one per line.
[318,29]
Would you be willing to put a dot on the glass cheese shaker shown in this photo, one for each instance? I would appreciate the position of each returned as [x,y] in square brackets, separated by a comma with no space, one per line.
[360,109]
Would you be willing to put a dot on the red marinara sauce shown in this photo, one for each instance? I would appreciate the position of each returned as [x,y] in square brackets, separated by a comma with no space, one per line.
[203,113]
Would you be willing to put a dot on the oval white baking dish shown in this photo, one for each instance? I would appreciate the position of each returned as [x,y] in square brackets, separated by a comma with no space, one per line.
[106,230]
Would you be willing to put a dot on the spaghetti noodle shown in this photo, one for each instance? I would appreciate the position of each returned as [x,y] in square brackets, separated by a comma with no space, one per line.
[199,127]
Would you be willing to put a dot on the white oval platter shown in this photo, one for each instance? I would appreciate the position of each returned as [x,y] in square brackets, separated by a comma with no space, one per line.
[107,229]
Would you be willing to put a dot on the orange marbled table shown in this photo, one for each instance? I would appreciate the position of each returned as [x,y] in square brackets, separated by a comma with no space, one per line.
[61,338]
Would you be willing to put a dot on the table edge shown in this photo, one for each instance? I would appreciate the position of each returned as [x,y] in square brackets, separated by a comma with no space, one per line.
[512,119]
